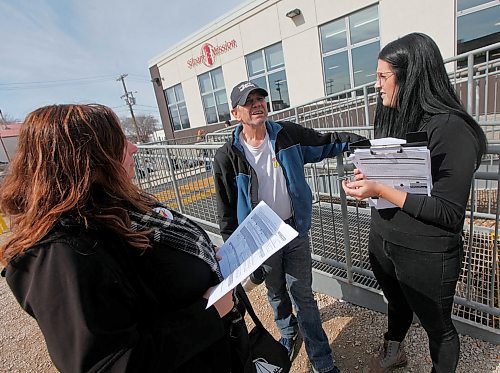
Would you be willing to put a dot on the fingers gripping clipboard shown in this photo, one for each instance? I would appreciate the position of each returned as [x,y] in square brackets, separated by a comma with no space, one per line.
[396,163]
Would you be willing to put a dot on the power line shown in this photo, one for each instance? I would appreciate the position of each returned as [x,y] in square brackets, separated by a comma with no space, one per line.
[153,107]
[103,77]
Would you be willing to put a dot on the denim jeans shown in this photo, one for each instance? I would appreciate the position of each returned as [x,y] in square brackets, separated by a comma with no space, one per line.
[422,282]
[289,279]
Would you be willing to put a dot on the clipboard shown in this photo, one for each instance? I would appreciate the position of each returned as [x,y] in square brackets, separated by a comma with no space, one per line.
[402,164]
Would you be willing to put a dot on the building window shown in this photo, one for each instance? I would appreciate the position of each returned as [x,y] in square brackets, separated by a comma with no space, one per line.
[177,108]
[349,47]
[213,96]
[478,25]
[266,68]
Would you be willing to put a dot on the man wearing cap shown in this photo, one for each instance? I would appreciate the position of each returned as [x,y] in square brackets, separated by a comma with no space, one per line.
[265,161]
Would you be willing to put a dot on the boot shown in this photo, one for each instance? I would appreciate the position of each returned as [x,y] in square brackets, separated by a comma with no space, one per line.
[389,356]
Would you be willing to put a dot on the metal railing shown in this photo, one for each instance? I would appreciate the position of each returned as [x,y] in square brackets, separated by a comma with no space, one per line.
[181,176]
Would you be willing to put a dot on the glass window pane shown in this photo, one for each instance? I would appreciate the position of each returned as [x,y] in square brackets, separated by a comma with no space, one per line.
[205,83]
[477,29]
[218,78]
[184,116]
[211,115]
[223,110]
[178,92]
[364,25]
[466,4]
[255,63]
[174,117]
[274,57]
[333,35]
[364,63]
[261,82]
[169,93]
[337,73]
[279,91]
[208,101]
[221,97]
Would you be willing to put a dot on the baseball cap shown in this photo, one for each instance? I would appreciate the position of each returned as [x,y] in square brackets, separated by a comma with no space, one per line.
[241,91]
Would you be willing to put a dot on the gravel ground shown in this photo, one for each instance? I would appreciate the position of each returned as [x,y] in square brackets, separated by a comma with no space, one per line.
[352,332]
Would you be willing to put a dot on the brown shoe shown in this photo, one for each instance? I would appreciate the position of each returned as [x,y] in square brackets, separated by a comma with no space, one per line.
[389,356]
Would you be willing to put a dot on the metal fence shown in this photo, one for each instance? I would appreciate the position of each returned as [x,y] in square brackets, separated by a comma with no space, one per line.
[181,177]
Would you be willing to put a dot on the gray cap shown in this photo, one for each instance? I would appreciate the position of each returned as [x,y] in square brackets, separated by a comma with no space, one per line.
[241,91]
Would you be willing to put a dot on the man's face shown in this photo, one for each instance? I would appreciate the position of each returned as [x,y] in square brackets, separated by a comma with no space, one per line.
[253,112]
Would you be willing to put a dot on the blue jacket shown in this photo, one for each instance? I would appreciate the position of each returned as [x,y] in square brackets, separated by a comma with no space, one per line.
[236,182]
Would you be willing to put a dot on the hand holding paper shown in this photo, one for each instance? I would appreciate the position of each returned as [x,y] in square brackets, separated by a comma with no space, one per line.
[258,237]
[389,162]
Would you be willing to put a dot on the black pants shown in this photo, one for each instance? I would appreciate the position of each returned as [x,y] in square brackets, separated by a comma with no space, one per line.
[422,282]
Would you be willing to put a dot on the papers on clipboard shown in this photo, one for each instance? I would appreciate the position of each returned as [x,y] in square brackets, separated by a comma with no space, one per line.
[394,163]
[259,236]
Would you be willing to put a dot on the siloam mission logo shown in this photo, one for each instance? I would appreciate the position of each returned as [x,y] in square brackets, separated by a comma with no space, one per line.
[209,53]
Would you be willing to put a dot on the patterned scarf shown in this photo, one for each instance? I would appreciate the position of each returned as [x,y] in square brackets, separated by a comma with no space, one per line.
[174,229]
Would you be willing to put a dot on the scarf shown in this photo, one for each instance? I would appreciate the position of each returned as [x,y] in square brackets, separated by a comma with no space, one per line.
[176,230]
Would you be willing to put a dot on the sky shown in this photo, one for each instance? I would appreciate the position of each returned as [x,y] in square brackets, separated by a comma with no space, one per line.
[72,51]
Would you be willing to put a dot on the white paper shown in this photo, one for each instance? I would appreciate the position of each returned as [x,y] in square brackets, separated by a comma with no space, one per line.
[404,168]
[258,237]
[385,141]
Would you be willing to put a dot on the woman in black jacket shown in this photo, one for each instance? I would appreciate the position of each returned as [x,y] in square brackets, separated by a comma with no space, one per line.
[416,248]
[116,281]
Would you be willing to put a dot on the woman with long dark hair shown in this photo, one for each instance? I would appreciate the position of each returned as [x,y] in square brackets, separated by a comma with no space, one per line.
[116,281]
[416,248]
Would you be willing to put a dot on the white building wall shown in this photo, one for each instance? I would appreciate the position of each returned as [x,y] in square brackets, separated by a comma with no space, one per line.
[329,10]
[261,23]
[261,30]
[304,71]
[432,17]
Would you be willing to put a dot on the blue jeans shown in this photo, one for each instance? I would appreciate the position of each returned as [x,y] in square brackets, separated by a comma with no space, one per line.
[289,279]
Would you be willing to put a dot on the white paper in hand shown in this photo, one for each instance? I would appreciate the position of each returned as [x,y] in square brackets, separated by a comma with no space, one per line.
[258,237]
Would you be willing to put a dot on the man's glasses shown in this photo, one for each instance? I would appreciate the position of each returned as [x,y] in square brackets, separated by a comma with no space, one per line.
[382,77]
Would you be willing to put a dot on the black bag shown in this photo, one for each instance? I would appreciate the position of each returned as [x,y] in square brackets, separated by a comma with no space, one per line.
[268,355]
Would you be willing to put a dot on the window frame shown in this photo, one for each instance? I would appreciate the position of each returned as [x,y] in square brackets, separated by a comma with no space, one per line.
[348,48]
[267,73]
[177,105]
[213,94]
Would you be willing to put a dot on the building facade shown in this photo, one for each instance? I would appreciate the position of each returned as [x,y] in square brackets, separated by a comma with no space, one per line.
[301,50]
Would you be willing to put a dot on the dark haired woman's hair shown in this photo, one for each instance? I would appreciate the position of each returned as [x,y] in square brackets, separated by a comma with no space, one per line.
[423,88]
[69,163]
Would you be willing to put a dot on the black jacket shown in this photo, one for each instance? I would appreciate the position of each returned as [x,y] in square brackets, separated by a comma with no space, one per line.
[236,182]
[102,306]
[435,223]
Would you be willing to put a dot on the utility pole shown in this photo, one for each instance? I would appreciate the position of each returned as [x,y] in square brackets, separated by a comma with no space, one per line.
[130,100]
[4,122]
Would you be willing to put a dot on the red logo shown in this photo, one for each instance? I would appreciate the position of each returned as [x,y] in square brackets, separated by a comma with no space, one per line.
[209,53]
[206,52]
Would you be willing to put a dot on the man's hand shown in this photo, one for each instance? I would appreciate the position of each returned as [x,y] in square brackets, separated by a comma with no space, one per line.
[349,137]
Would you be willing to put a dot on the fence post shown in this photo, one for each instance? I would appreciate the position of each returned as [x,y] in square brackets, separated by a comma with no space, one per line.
[345,217]
[495,247]
[470,82]
[174,181]
[367,112]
